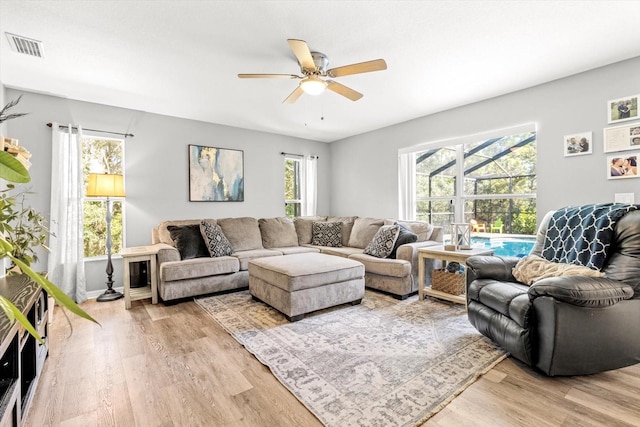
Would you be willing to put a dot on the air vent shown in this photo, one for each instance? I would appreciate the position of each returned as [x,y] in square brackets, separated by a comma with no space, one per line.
[25,45]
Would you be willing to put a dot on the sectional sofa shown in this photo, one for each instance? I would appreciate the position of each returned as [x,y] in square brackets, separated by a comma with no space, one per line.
[186,269]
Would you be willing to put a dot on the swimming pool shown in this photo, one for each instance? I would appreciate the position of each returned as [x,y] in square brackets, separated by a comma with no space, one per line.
[505,246]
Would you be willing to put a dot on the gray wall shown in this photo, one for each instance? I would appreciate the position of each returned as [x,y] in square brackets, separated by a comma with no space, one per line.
[156,165]
[368,186]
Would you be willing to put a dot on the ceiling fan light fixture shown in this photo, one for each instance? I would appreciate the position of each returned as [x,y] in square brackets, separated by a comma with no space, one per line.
[313,85]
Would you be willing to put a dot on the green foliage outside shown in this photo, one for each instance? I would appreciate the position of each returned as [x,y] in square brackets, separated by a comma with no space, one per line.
[292,187]
[506,166]
[101,156]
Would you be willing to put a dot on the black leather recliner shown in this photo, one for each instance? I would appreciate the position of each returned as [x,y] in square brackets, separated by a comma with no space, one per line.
[563,325]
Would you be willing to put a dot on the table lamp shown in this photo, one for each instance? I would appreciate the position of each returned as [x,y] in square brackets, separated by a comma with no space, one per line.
[107,185]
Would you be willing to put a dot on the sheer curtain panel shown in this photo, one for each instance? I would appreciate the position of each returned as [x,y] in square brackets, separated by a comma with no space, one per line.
[66,263]
[310,198]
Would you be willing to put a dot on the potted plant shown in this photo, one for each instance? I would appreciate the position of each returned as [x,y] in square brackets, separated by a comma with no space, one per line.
[20,249]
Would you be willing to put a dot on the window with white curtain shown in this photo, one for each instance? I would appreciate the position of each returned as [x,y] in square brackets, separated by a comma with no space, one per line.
[300,185]
[102,155]
[293,172]
[489,179]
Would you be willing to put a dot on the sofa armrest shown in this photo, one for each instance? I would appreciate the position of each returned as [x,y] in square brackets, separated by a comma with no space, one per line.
[491,267]
[582,291]
[167,253]
[409,252]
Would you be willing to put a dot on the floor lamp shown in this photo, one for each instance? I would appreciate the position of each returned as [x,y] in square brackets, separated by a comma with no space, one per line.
[107,185]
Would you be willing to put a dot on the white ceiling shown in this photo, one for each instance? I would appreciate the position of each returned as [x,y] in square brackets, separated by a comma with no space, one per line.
[181,58]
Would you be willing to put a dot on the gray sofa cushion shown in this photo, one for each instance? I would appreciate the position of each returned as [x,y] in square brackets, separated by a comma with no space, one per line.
[347,225]
[303,226]
[363,231]
[214,239]
[198,267]
[278,232]
[343,251]
[245,256]
[188,240]
[243,233]
[422,228]
[383,266]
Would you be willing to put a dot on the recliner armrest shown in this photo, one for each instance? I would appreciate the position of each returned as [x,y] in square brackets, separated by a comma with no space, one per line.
[582,291]
[491,267]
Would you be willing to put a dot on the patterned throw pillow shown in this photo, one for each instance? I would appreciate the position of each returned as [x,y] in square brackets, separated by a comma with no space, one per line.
[326,234]
[404,236]
[215,240]
[382,243]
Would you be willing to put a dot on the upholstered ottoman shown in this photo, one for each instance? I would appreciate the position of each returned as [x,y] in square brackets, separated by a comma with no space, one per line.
[302,283]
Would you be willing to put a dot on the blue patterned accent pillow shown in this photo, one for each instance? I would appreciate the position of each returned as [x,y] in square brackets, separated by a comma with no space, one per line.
[383,241]
[215,240]
[326,234]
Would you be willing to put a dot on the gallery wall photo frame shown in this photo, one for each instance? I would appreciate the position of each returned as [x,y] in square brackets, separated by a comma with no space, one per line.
[623,109]
[622,166]
[215,174]
[578,143]
[622,138]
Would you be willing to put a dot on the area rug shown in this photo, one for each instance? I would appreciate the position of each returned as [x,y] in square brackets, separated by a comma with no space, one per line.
[381,363]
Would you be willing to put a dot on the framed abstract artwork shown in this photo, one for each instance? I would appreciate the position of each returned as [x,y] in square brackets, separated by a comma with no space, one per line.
[215,174]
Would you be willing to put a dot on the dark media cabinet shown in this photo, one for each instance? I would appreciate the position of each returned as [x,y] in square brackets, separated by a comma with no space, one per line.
[22,356]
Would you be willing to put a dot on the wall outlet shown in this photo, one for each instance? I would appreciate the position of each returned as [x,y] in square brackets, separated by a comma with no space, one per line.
[627,198]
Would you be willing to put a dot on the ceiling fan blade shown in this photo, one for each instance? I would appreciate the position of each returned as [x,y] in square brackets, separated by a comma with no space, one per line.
[302,52]
[268,76]
[362,67]
[293,96]
[343,90]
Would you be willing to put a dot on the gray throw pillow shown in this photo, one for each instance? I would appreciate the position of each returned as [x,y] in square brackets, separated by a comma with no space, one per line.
[188,241]
[214,239]
[326,234]
[383,241]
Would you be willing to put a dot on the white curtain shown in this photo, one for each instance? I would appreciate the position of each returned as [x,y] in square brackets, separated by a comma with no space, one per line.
[310,186]
[66,264]
[407,186]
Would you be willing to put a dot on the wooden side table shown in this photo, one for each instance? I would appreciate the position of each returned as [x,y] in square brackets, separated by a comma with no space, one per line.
[137,254]
[438,252]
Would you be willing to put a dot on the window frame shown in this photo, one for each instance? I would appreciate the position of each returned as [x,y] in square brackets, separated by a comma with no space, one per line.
[298,184]
[85,199]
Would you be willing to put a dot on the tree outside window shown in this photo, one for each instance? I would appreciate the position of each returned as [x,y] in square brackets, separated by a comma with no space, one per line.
[292,187]
[102,155]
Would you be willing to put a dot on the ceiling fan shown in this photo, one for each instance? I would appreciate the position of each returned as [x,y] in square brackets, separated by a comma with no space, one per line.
[313,66]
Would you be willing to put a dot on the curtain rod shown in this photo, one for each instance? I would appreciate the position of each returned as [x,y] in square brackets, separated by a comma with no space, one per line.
[298,155]
[96,130]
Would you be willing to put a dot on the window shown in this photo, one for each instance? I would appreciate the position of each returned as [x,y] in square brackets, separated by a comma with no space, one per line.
[293,186]
[491,180]
[102,155]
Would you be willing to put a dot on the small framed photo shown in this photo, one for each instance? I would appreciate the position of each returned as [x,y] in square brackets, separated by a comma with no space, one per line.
[578,143]
[622,166]
[623,109]
[621,138]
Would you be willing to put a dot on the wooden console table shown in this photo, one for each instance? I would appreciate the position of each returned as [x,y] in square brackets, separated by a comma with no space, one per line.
[439,252]
[22,356]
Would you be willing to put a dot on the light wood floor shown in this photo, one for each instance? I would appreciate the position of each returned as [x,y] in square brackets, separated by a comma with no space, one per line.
[157,365]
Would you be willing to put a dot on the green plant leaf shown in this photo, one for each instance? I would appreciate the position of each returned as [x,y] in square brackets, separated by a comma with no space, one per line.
[12,170]
[13,313]
[55,292]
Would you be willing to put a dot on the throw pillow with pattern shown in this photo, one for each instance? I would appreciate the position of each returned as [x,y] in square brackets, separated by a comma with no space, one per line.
[215,240]
[383,242]
[326,234]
